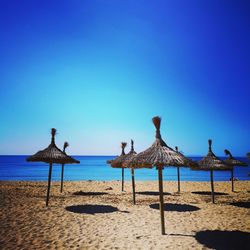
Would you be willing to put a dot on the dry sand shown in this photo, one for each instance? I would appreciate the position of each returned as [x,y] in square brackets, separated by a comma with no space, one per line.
[97,215]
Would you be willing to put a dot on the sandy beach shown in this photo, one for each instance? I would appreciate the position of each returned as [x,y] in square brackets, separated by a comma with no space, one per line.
[97,215]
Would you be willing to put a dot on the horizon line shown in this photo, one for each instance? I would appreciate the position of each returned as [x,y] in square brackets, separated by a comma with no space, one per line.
[245,156]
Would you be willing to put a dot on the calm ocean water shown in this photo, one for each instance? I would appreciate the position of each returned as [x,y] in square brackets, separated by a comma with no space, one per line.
[95,168]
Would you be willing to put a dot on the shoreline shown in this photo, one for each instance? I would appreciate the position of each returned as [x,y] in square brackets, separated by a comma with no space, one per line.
[126,181]
[97,215]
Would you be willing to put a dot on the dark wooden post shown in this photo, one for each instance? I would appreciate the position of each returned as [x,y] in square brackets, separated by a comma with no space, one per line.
[178,173]
[212,184]
[62,178]
[133,184]
[161,200]
[49,181]
[122,179]
[232,178]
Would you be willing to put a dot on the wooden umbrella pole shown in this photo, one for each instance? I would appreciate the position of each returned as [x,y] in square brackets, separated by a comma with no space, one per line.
[232,178]
[212,184]
[49,181]
[161,200]
[178,173]
[62,178]
[122,179]
[133,184]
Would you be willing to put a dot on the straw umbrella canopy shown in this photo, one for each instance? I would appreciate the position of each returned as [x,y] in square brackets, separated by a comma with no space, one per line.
[158,155]
[211,162]
[123,146]
[120,163]
[51,154]
[231,161]
[188,163]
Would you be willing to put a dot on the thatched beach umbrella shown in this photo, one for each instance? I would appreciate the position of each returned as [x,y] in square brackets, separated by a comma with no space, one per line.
[123,146]
[120,163]
[231,161]
[158,155]
[211,163]
[64,147]
[188,163]
[51,154]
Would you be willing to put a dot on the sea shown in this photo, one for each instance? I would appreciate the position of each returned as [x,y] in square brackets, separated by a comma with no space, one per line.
[15,167]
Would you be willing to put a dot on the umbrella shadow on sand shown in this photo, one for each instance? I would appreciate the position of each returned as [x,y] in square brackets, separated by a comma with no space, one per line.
[176,207]
[208,193]
[93,209]
[89,193]
[221,240]
[244,204]
[152,193]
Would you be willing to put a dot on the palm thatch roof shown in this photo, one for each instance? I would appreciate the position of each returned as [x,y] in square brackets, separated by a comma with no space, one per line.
[122,159]
[159,154]
[232,161]
[52,154]
[123,146]
[211,162]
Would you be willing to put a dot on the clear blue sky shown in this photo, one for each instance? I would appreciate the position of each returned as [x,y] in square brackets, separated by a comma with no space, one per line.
[99,70]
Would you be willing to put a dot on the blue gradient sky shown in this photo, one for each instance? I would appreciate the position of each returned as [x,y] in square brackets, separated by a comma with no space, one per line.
[98,71]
